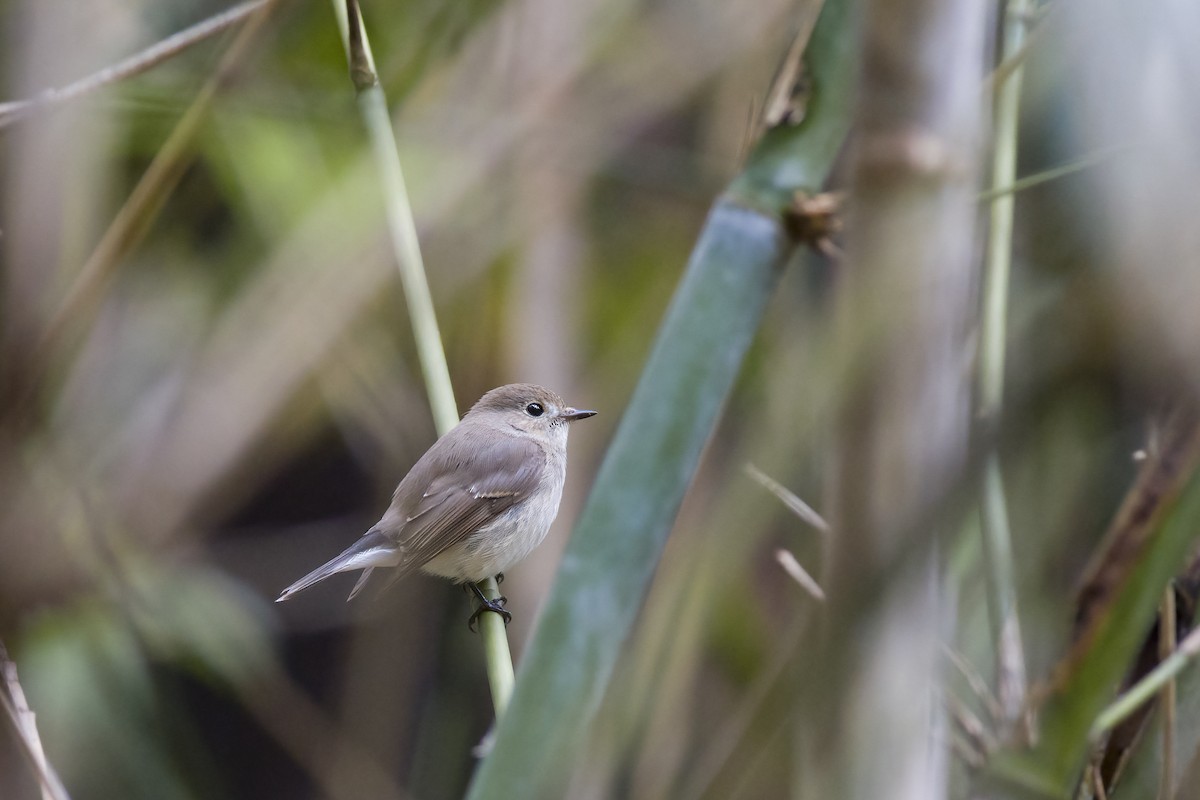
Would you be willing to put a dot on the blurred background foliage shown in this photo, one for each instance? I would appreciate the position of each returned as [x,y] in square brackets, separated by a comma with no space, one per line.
[234,402]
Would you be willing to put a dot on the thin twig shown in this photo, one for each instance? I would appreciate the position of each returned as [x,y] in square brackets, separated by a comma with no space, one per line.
[1014,59]
[1098,783]
[152,56]
[12,698]
[1084,790]
[1148,686]
[1045,176]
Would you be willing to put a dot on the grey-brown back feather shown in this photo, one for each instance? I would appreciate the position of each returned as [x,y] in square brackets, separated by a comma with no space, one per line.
[471,487]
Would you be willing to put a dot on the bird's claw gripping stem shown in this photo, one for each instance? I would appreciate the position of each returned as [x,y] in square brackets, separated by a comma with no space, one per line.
[496,606]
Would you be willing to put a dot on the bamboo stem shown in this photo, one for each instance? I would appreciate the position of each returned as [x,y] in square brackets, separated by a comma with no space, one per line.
[997,537]
[372,104]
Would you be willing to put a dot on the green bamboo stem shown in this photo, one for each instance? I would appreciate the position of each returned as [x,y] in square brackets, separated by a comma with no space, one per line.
[709,326]
[997,538]
[496,653]
[372,105]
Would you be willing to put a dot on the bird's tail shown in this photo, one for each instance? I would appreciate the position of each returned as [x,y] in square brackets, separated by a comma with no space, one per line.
[372,550]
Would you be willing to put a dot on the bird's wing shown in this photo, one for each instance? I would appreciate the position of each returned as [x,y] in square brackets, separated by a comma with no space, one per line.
[471,487]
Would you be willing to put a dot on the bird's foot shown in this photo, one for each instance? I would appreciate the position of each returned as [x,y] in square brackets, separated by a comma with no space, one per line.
[496,606]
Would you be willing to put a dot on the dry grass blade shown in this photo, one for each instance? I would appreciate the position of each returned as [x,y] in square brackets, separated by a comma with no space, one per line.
[12,697]
[1159,479]
[138,213]
[1101,156]
[149,58]
[1016,60]
[797,506]
[974,680]
[982,740]
[792,567]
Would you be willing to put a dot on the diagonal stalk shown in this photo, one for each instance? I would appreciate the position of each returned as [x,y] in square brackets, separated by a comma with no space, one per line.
[1145,689]
[152,56]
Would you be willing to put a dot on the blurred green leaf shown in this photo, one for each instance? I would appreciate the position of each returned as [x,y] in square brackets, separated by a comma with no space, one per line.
[87,675]
[204,621]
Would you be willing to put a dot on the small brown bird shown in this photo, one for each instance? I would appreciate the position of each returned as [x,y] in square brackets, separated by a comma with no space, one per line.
[479,500]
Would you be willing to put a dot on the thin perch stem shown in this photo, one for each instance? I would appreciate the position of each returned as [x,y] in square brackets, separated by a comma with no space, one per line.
[495,648]
[372,105]
[997,538]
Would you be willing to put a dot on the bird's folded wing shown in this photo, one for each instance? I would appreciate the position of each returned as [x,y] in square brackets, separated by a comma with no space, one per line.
[471,489]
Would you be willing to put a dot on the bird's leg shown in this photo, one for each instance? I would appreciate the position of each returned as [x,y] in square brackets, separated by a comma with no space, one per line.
[496,605]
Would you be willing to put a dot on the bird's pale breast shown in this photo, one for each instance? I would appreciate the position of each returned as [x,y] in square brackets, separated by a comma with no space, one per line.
[507,539]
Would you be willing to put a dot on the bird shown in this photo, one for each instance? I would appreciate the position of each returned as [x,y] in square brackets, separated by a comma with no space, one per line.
[479,500]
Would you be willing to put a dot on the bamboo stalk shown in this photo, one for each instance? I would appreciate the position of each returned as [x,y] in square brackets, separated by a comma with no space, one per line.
[372,105]
[997,537]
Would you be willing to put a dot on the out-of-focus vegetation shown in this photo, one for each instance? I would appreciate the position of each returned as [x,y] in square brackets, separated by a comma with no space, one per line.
[204,397]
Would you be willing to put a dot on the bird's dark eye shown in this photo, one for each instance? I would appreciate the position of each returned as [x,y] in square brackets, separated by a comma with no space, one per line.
[534,409]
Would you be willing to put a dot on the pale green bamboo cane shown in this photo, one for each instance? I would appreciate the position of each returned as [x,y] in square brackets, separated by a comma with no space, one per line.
[373,105]
[997,538]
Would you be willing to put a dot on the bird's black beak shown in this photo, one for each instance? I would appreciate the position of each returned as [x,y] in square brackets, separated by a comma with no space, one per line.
[572,414]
